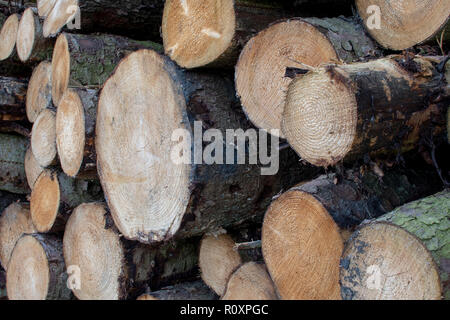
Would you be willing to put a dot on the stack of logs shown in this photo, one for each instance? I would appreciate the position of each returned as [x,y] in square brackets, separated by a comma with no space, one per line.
[96,204]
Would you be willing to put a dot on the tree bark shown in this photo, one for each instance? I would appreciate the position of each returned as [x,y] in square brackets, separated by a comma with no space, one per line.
[378,107]
[12,99]
[12,172]
[428,220]
[88,60]
[55,194]
[184,291]
[45,269]
[121,268]
[207,196]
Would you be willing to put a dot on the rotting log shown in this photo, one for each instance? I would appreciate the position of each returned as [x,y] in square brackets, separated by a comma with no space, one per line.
[344,112]
[88,60]
[12,99]
[404,25]
[414,274]
[211,33]
[120,268]
[43,275]
[293,44]
[55,194]
[12,172]
[155,139]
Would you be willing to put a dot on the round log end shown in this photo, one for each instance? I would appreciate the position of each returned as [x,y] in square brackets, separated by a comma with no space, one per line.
[45,200]
[95,251]
[261,81]
[60,69]
[28,275]
[70,134]
[302,248]
[134,148]
[44,7]
[43,138]
[217,261]
[15,221]
[32,168]
[8,36]
[320,117]
[39,92]
[62,12]
[197,32]
[250,282]
[383,261]
[399,25]
[26,35]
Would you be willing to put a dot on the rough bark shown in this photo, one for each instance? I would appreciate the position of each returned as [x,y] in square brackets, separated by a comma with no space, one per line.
[217,195]
[3,294]
[12,156]
[6,198]
[12,99]
[130,267]
[31,246]
[428,220]
[383,106]
[184,291]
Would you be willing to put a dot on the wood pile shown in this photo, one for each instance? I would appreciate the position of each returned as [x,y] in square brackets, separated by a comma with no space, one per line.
[224,149]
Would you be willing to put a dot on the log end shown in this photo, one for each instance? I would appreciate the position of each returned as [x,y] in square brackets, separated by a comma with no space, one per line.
[28,275]
[32,168]
[8,36]
[26,35]
[45,200]
[217,261]
[194,35]
[250,282]
[261,81]
[39,93]
[61,13]
[15,221]
[60,69]
[44,7]
[320,117]
[400,25]
[383,261]
[95,251]
[43,138]
[70,132]
[302,248]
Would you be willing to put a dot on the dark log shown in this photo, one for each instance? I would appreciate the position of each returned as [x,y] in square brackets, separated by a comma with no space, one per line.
[12,157]
[184,291]
[12,99]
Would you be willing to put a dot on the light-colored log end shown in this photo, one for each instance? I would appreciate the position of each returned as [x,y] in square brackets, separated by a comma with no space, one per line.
[8,36]
[39,93]
[43,138]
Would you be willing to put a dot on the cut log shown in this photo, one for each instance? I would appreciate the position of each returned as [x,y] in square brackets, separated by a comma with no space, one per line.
[12,99]
[36,270]
[111,268]
[43,138]
[144,162]
[250,282]
[261,78]
[15,221]
[302,247]
[31,44]
[32,168]
[217,261]
[197,33]
[44,7]
[62,13]
[343,112]
[75,132]
[403,24]
[184,291]
[382,261]
[39,94]
[54,194]
[8,35]
[413,272]
[88,60]
[12,155]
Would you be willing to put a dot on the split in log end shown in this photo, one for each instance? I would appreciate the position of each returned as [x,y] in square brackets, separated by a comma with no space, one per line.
[8,36]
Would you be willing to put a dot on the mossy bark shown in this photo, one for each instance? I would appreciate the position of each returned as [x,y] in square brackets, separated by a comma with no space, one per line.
[93,58]
[429,220]
[12,99]
[12,169]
